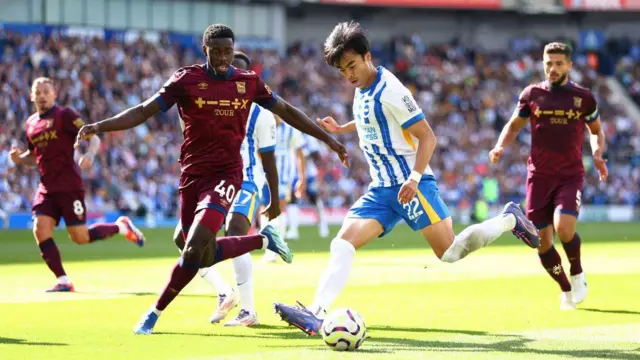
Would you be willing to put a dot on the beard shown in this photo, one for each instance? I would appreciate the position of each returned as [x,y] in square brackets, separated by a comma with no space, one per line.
[556,84]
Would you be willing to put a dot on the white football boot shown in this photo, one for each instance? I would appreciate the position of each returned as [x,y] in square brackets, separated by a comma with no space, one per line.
[226,302]
[566,301]
[244,318]
[578,287]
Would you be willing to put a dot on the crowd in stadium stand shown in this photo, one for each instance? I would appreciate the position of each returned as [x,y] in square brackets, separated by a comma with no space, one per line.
[466,95]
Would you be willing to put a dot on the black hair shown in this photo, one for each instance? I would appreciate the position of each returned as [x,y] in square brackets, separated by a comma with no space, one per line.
[239,55]
[344,37]
[217,31]
[558,48]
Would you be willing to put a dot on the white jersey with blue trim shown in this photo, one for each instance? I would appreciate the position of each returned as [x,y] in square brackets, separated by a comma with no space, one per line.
[261,137]
[383,112]
[289,141]
[311,146]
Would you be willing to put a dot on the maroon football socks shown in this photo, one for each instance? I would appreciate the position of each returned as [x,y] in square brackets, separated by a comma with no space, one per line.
[51,255]
[181,275]
[572,249]
[553,264]
[233,246]
[102,231]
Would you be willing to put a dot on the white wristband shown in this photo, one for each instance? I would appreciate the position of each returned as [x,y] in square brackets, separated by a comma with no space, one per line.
[415,176]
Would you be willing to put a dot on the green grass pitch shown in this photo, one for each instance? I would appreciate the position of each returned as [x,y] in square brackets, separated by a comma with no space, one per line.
[498,303]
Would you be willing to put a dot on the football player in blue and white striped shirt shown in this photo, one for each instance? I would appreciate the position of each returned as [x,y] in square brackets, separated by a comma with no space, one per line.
[398,143]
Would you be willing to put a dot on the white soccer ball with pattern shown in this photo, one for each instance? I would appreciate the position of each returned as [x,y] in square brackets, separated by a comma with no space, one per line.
[344,330]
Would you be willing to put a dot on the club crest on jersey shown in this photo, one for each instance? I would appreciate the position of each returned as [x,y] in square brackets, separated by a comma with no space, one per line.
[48,123]
[203,86]
[577,101]
[241,86]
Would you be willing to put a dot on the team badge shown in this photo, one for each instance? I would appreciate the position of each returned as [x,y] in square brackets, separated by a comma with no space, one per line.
[203,86]
[268,89]
[577,101]
[241,86]
[411,107]
[48,123]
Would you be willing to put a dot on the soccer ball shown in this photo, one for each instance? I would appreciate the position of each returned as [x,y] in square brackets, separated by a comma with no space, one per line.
[344,330]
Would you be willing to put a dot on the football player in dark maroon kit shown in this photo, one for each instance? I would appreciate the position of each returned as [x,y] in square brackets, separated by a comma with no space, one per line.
[213,101]
[559,110]
[51,133]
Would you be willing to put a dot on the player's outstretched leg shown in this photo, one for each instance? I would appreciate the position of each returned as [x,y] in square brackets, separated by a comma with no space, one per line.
[202,251]
[552,263]
[355,233]
[226,295]
[450,248]
[43,226]
[81,234]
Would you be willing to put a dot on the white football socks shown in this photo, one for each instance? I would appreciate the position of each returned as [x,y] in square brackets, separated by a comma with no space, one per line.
[214,278]
[322,219]
[243,267]
[293,212]
[335,275]
[478,236]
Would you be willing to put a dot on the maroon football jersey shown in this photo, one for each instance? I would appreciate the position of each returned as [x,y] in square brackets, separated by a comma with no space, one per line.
[213,113]
[50,138]
[558,118]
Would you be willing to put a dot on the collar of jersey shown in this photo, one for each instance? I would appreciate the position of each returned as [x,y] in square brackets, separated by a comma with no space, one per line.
[563,87]
[212,74]
[48,112]
[375,82]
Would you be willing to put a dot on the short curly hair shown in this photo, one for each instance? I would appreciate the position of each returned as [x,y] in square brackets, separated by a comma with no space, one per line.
[217,31]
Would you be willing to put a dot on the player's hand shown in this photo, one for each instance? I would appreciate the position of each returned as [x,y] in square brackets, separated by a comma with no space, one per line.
[85,133]
[407,192]
[301,187]
[272,211]
[339,149]
[601,166]
[15,153]
[495,154]
[86,161]
[329,124]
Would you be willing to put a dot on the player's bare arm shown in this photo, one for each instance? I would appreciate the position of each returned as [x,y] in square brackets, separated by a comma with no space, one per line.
[508,136]
[127,119]
[426,146]
[331,125]
[597,140]
[301,162]
[271,173]
[296,118]
[20,157]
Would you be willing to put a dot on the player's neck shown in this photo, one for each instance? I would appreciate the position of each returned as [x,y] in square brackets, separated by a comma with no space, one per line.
[564,85]
[45,111]
[373,77]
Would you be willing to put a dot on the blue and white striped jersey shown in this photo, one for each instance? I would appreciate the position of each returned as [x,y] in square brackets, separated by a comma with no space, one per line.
[261,137]
[289,140]
[383,112]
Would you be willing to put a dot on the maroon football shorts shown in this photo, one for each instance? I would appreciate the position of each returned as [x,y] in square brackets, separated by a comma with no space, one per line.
[67,205]
[548,194]
[215,192]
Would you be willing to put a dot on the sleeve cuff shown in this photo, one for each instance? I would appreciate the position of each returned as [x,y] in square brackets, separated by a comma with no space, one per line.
[269,104]
[163,104]
[267,149]
[412,121]
[593,117]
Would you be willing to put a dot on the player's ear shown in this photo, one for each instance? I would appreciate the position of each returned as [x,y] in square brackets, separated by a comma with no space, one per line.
[204,50]
[367,57]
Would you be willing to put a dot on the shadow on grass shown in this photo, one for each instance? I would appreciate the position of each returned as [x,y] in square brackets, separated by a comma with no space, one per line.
[10,341]
[517,344]
[607,311]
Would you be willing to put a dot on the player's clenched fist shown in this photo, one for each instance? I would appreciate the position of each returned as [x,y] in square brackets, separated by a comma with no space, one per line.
[496,154]
[86,132]
[14,154]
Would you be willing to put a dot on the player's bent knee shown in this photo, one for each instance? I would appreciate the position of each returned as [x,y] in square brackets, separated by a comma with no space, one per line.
[566,233]
[42,231]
